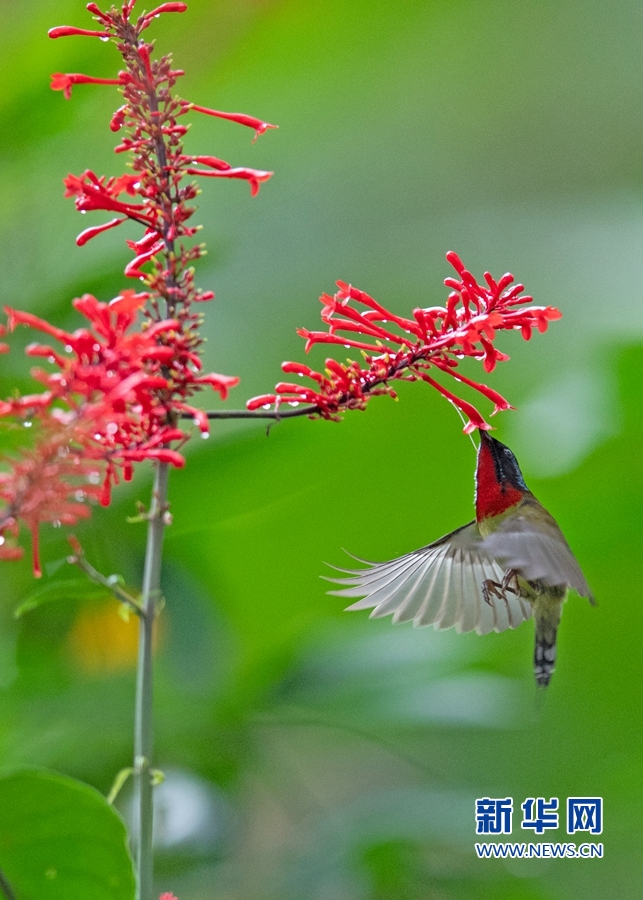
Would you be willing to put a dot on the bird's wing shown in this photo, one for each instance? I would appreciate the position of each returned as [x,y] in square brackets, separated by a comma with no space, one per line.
[439,585]
[537,550]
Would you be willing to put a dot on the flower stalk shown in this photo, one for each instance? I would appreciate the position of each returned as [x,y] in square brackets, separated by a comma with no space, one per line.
[143,723]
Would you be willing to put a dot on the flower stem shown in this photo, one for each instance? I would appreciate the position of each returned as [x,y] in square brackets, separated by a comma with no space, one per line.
[257,413]
[143,732]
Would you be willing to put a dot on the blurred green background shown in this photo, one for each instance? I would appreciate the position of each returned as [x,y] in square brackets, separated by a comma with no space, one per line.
[311,753]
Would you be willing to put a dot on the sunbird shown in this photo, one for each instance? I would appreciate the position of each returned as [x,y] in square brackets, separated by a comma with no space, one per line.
[510,563]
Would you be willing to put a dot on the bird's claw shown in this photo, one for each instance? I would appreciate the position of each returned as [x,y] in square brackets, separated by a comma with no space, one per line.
[499,589]
[510,583]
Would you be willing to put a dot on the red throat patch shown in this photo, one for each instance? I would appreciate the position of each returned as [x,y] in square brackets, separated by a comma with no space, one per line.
[492,497]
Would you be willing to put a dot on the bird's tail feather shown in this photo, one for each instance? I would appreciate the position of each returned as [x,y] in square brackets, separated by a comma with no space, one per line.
[544,658]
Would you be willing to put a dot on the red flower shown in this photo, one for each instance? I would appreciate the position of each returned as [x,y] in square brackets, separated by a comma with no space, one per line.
[113,398]
[154,181]
[240,118]
[65,82]
[68,30]
[398,348]
[163,8]
[254,176]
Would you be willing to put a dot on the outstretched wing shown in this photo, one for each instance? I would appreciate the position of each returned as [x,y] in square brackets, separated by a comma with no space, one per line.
[439,585]
[534,546]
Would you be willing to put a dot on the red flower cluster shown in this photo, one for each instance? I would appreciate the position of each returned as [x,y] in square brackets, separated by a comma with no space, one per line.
[120,386]
[153,136]
[112,400]
[396,348]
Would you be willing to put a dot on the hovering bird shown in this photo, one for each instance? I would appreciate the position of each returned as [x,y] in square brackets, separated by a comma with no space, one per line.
[489,575]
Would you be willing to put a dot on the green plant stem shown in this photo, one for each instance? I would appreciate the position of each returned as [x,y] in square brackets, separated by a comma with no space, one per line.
[143,732]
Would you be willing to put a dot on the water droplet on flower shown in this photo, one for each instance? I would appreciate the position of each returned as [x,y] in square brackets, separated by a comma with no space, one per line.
[293,403]
[68,348]
[97,437]
[112,428]
[205,435]
[1,540]
[93,477]
[96,347]
[56,523]
[80,496]
[266,406]
[348,346]
[104,39]
[27,424]
[83,212]
[301,374]
[51,359]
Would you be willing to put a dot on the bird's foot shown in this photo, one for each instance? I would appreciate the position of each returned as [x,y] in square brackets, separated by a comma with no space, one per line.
[510,583]
[492,589]
[499,589]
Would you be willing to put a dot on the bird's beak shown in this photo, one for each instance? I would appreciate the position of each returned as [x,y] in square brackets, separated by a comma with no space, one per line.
[492,446]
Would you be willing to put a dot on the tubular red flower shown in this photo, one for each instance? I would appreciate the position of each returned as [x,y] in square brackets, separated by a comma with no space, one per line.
[240,118]
[163,8]
[64,82]
[294,368]
[16,317]
[500,404]
[262,400]
[162,455]
[132,269]
[475,419]
[118,119]
[90,233]
[254,176]
[67,30]
[94,8]
[213,161]
[220,383]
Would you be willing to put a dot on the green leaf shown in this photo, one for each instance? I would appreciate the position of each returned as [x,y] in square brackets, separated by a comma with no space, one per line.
[72,588]
[60,840]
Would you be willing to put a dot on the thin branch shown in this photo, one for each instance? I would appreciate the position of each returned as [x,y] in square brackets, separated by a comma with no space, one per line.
[423,354]
[78,559]
[257,413]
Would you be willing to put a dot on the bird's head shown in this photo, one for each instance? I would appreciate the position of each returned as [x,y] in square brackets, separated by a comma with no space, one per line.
[499,481]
